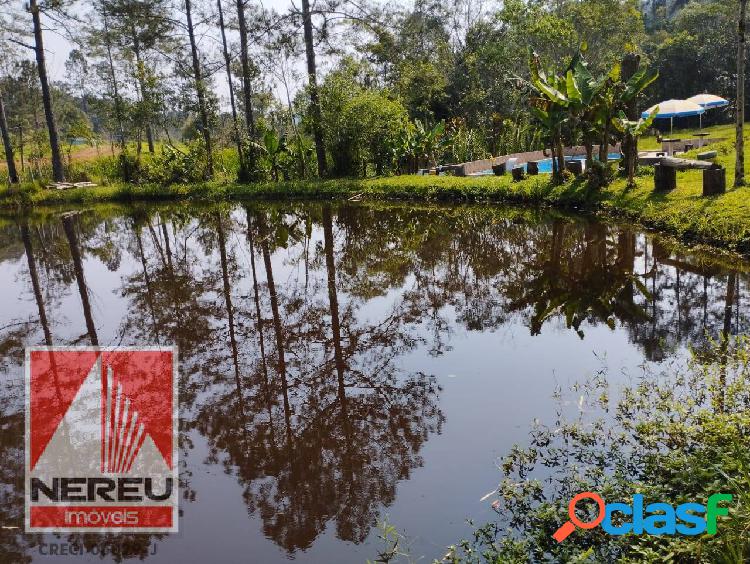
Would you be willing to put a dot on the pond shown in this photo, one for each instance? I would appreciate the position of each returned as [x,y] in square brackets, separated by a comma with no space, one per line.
[343,364]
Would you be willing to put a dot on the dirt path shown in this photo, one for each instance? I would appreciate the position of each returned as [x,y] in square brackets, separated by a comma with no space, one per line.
[79,154]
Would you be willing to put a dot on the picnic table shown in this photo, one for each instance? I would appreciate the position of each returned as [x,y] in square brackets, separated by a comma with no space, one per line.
[665,174]
[701,136]
[670,141]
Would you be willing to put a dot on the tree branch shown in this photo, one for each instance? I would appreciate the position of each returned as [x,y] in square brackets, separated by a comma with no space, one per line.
[21,43]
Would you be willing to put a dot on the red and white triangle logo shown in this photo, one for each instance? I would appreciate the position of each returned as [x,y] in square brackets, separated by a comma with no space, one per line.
[101,439]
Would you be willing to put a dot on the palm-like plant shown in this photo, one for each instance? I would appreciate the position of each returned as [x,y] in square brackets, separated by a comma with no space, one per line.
[586,106]
[555,96]
[633,129]
[420,143]
[429,140]
[633,87]
[603,98]
[587,109]
[273,147]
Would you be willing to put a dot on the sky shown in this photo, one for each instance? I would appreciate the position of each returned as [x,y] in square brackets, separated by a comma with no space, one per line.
[58,47]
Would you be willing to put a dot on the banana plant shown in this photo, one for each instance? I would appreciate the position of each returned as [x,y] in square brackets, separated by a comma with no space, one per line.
[638,83]
[429,141]
[273,147]
[556,98]
[633,87]
[589,114]
[583,105]
[420,143]
[613,96]
[404,149]
[634,129]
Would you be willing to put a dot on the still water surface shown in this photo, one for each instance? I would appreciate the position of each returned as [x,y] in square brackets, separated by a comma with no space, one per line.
[343,364]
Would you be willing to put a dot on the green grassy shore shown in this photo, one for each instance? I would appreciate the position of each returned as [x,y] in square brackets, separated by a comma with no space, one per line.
[720,220]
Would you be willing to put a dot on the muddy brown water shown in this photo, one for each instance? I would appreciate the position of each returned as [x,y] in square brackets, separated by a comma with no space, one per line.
[399,353]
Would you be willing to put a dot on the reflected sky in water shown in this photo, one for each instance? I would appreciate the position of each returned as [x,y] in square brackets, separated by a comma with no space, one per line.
[341,363]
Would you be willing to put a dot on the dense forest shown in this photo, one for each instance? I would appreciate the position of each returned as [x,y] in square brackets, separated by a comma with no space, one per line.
[183,90]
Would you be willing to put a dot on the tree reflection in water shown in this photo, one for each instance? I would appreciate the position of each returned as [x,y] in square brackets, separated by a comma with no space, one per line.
[293,322]
[333,431]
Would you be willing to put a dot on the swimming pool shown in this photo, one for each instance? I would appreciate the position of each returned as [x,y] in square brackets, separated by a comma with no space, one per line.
[545,166]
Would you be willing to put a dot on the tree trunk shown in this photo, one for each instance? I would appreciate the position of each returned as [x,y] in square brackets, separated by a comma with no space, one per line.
[297,134]
[625,264]
[58,172]
[12,173]
[230,312]
[145,96]
[725,336]
[631,165]
[34,274]
[312,78]
[728,302]
[553,157]
[200,90]
[589,154]
[167,246]
[245,61]
[333,303]
[150,138]
[43,320]
[20,148]
[115,89]
[739,166]
[560,156]
[630,64]
[228,65]
[146,279]
[75,254]
[558,240]
[259,328]
[278,329]
[333,300]
[604,144]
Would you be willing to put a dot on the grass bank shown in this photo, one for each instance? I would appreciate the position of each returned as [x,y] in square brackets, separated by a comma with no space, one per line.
[720,220]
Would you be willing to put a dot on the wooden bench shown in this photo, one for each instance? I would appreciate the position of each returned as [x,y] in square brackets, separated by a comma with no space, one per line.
[665,175]
[707,155]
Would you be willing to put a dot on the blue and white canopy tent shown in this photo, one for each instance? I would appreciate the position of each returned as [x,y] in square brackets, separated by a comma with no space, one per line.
[708,101]
[671,109]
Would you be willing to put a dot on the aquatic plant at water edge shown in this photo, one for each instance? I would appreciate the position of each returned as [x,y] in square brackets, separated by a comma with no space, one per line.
[675,436]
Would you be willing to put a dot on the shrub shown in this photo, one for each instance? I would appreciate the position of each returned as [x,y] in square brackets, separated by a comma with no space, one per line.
[361,125]
[128,167]
[175,166]
[171,166]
